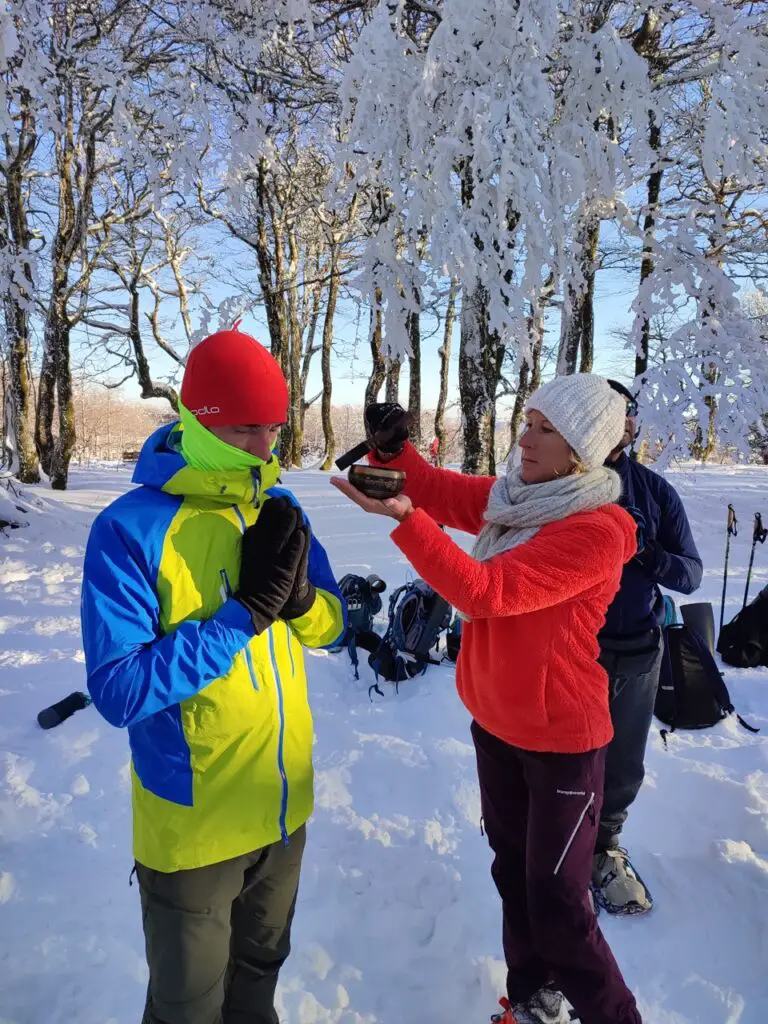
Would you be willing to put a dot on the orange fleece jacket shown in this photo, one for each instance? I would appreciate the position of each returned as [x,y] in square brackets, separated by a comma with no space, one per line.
[528,670]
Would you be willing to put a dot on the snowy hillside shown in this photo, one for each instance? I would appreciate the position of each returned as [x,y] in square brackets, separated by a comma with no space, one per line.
[398,921]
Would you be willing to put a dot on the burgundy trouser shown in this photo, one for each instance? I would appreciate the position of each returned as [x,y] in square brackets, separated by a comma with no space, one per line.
[541,813]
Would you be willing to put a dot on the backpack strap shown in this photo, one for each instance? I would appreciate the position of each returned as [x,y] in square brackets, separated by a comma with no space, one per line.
[746,725]
[352,649]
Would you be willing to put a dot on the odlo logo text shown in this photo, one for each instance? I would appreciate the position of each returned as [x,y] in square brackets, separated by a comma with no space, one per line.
[206,410]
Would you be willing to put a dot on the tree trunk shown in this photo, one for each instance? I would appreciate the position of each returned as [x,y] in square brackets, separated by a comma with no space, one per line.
[588,309]
[529,380]
[578,324]
[18,397]
[392,389]
[270,259]
[378,364]
[649,224]
[711,445]
[523,393]
[295,333]
[647,43]
[414,380]
[272,278]
[445,362]
[65,441]
[55,451]
[76,169]
[149,389]
[309,351]
[18,392]
[479,367]
[46,402]
[704,444]
[8,460]
[330,312]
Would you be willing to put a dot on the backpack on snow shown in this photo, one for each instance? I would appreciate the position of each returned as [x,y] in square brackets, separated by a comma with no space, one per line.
[417,617]
[692,693]
[743,642]
[363,598]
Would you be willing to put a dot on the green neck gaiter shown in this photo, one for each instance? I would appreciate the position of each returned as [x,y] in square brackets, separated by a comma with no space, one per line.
[203,450]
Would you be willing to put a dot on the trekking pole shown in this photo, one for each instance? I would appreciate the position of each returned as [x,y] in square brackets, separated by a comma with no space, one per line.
[57,713]
[732,532]
[759,534]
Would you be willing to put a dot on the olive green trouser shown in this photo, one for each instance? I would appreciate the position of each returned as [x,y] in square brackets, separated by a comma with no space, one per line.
[217,936]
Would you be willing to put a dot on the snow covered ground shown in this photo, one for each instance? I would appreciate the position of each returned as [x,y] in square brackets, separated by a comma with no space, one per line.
[398,920]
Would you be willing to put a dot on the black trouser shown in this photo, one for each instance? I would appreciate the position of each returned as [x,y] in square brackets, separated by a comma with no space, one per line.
[217,936]
[540,813]
[633,668]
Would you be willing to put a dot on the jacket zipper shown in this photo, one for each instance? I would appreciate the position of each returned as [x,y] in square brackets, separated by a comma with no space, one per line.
[290,651]
[280,707]
[280,739]
[256,477]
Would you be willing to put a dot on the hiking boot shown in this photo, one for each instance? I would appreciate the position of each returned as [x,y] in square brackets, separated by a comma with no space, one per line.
[546,1007]
[617,886]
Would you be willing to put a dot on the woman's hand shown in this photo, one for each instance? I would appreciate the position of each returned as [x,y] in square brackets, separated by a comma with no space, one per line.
[398,508]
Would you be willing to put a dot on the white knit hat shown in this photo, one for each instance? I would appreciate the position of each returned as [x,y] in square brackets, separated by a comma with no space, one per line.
[588,413]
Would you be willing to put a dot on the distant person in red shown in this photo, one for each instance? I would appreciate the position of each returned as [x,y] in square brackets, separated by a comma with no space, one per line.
[434,452]
[550,549]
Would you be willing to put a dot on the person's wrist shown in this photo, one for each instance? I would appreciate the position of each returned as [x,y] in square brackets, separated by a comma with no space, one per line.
[401,514]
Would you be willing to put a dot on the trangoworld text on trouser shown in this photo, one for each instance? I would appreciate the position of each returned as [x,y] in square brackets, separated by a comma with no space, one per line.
[540,813]
[217,936]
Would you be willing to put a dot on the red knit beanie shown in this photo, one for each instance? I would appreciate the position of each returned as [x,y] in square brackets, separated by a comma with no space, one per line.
[231,380]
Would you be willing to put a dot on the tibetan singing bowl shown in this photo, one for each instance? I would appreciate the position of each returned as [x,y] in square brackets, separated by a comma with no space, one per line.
[375,482]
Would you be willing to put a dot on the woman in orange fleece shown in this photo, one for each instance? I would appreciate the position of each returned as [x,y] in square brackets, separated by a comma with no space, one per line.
[551,545]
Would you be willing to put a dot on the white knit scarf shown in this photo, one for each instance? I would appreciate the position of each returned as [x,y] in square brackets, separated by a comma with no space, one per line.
[516,511]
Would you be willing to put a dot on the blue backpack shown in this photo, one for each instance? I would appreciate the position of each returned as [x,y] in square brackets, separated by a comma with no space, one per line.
[363,597]
[417,617]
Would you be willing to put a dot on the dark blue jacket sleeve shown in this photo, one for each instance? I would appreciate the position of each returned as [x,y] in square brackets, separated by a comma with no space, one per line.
[134,670]
[673,560]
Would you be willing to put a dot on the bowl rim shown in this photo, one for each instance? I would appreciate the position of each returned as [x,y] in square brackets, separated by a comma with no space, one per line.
[376,471]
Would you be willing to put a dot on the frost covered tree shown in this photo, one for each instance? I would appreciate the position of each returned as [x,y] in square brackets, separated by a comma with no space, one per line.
[553,108]
[389,151]
[85,75]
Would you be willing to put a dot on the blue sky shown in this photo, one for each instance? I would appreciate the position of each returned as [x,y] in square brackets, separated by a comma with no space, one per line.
[351,359]
[234,270]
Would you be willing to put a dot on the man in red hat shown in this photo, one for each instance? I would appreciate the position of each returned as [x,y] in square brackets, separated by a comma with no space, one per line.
[200,588]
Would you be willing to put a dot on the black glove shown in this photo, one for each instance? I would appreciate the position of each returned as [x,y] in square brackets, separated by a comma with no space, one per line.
[273,549]
[649,555]
[386,427]
[302,597]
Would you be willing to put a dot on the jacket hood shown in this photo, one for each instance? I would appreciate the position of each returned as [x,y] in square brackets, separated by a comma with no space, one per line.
[162,467]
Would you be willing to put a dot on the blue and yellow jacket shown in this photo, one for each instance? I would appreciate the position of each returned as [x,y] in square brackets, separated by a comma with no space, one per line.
[218,719]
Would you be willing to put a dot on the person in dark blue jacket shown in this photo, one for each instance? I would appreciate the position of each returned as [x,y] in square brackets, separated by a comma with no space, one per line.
[631,649]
